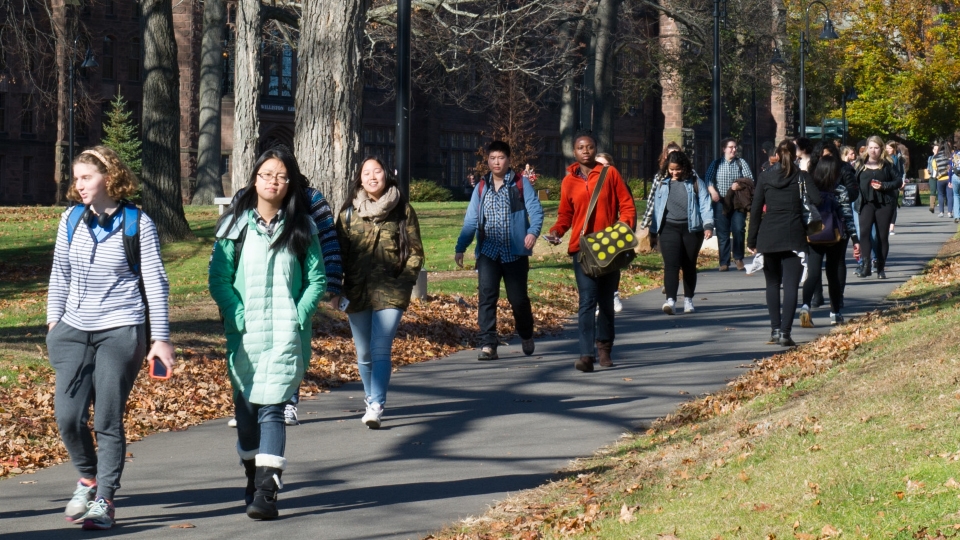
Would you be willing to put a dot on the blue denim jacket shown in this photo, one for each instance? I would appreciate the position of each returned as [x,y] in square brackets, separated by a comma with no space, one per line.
[526,216]
[699,206]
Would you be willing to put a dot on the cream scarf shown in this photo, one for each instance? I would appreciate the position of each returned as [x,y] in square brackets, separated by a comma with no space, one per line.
[376,210]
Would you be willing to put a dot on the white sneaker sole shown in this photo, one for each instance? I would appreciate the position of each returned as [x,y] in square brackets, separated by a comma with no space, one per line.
[668,309]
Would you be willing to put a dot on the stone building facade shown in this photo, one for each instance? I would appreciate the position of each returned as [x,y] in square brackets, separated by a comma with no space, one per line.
[444,143]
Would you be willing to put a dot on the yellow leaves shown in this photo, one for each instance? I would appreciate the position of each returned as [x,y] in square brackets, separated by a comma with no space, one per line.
[626,514]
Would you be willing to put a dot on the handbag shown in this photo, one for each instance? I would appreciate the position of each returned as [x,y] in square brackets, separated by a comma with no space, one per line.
[812,221]
[612,249]
[832,221]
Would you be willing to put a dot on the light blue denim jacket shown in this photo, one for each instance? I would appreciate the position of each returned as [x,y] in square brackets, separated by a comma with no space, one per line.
[699,206]
[526,216]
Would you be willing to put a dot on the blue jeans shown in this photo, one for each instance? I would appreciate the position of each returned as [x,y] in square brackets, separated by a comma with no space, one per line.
[735,224]
[373,333]
[594,292]
[260,428]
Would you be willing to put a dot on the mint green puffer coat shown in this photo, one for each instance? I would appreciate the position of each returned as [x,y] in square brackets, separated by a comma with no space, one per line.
[267,303]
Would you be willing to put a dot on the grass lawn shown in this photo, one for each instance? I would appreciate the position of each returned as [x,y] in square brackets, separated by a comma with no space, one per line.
[27,237]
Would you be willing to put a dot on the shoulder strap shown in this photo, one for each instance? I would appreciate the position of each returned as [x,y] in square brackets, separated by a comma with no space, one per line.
[76,214]
[593,198]
[740,166]
[131,236]
[238,245]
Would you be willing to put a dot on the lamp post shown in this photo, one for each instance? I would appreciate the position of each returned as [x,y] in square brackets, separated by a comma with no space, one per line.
[403,96]
[718,12]
[828,33]
[88,62]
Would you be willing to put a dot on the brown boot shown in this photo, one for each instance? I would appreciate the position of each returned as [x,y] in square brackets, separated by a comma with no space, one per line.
[584,364]
[603,353]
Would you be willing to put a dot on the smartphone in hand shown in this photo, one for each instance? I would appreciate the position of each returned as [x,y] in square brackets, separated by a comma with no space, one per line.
[343,303]
[158,370]
[551,238]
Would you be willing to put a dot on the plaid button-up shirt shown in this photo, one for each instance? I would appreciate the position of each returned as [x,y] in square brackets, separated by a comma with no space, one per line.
[495,213]
[723,173]
[267,228]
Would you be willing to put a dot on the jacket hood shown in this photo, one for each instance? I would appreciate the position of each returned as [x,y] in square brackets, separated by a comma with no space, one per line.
[774,176]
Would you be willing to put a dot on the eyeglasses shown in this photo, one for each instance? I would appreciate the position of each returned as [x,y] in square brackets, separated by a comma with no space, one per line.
[270,177]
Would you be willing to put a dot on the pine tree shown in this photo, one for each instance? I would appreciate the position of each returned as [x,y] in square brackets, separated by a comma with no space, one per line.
[120,133]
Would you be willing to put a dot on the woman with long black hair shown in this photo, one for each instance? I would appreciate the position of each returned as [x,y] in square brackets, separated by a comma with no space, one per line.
[879,192]
[834,200]
[267,277]
[382,256]
[780,234]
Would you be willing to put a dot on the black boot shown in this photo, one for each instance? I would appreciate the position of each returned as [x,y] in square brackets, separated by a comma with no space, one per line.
[866,268]
[785,340]
[250,467]
[774,337]
[269,470]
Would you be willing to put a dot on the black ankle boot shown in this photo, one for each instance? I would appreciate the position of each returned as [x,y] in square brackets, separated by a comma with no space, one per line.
[267,480]
[866,269]
[785,340]
[250,467]
[774,336]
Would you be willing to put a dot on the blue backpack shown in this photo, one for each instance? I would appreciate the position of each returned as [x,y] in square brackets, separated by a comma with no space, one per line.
[832,218]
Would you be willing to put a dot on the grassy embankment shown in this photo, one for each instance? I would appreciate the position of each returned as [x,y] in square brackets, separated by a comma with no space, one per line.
[854,436]
[27,237]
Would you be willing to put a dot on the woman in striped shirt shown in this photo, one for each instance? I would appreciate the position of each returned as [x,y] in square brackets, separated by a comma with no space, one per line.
[96,319]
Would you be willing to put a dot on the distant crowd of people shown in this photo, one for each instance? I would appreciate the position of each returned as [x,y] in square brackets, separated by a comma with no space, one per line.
[281,250]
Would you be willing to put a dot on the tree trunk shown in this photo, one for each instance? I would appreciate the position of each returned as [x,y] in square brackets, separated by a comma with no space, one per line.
[209,184]
[63,57]
[162,199]
[568,117]
[329,95]
[605,66]
[246,122]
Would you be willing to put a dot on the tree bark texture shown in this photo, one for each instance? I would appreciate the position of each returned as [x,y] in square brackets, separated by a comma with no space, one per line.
[246,123]
[329,95]
[209,184]
[604,100]
[63,57]
[162,199]
[568,117]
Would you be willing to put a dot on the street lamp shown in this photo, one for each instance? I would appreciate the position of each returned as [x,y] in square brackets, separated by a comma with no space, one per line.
[828,33]
[402,136]
[718,12]
[88,62]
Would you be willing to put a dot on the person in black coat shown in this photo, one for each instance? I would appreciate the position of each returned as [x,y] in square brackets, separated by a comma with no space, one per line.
[780,234]
[879,191]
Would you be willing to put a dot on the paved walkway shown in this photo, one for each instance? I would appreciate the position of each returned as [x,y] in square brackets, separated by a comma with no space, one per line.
[459,434]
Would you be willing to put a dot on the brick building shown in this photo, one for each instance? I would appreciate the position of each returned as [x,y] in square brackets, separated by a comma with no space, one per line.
[444,141]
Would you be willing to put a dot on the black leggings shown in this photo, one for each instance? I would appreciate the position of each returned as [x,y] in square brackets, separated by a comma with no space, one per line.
[881,215]
[679,248]
[782,268]
[836,270]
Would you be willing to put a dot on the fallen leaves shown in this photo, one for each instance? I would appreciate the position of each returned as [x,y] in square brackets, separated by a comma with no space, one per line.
[201,391]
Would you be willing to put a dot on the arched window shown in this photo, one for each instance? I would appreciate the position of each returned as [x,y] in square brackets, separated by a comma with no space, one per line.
[279,65]
[106,63]
[133,61]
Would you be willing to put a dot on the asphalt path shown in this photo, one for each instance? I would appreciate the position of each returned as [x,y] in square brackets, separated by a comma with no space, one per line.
[458,434]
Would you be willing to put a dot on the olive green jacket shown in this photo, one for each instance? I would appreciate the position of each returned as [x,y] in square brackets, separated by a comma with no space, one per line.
[371,251]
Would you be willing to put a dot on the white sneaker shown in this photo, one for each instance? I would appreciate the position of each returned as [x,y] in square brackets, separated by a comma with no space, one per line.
[290,415]
[940,214]
[232,422]
[668,306]
[617,304]
[77,507]
[688,305]
[373,415]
